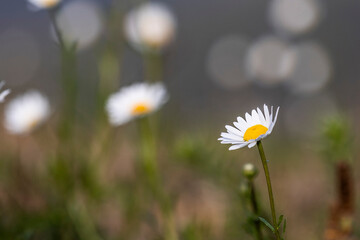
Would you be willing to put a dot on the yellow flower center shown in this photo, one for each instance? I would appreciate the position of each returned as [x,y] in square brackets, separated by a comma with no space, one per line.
[254,132]
[141,108]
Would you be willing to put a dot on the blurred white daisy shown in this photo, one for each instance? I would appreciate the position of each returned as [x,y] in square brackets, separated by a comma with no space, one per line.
[40,4]
[4,93]
[26,112]
[150,26]
[134,101]
[247,132]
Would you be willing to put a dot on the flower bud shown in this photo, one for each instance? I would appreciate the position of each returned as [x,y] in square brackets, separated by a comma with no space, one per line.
[249,171]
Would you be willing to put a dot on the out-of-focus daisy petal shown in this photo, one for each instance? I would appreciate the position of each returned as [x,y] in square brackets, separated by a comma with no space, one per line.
[151,26]
[135,101]
[26,112]
[4,93]
[44,4]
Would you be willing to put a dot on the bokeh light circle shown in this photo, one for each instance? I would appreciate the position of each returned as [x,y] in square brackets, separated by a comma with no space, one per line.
[313,68]
[270,60]
[294,16]
[226,62]
[80,22]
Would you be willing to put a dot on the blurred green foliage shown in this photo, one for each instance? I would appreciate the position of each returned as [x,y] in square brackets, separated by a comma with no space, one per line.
[337,139]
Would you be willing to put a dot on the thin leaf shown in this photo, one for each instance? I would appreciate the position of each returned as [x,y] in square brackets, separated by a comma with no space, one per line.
[284,227]
[263,220]
[280,220]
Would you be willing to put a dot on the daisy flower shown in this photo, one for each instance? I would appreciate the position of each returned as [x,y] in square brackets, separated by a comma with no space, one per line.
[26,112]
[4,93]
[134,101]
[42,4]
[250,130]
[150,26]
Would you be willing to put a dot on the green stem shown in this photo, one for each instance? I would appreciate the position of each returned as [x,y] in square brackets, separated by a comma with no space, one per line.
[153,67]
[69,79]
[148,153]
[52,13]
[255,209]
[82,221]
[268,181]
[150,168]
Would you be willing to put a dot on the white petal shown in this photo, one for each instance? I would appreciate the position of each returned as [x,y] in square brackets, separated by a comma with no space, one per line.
[255,116]
[249,120]
[269,120]
[251,144]
[261,116]
[241,128]
[3,94]
[276,115]
[275,119]
[266,112]
[232,142]
[243,125]
[234,147]
[231,136]
[233,130]
[229,141]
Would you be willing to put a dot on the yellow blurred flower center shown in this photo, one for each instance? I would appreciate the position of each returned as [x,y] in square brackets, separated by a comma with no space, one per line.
[141,108]
[32,124]
[254,132]
[50,3]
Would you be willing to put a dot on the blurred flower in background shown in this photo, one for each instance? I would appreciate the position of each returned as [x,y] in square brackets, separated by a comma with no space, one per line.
[26,112]
[294,16]
[44,3]
[281,51]
[134,101]
[81,23]
[150,26]
[4,93]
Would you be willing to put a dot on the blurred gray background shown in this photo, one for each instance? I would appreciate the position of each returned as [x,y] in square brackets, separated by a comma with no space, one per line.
[228,56]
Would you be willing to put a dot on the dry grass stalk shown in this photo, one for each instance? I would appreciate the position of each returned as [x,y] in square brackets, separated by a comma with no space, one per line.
[340,223]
